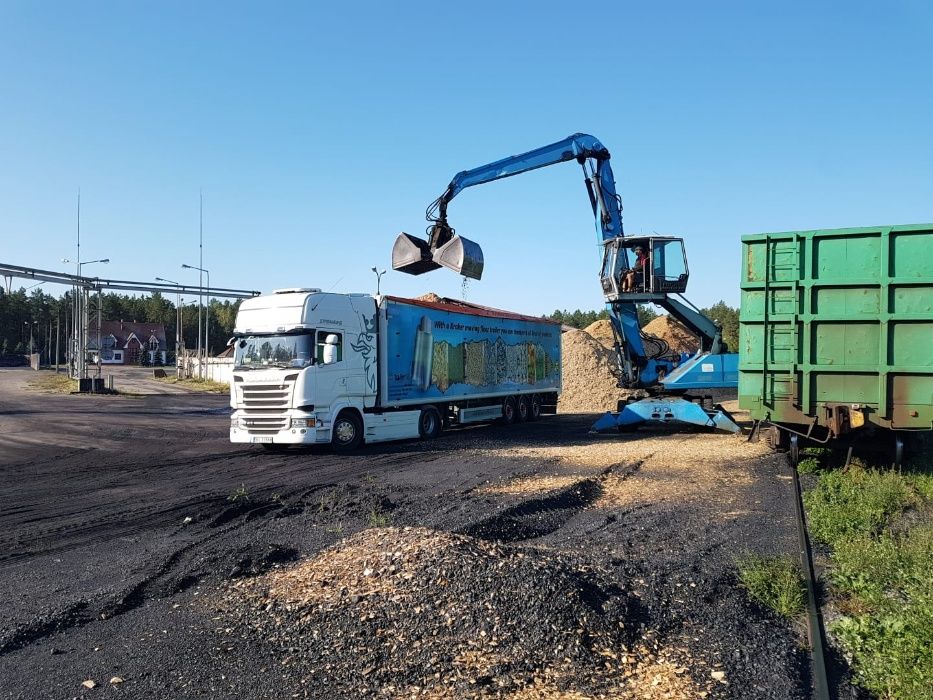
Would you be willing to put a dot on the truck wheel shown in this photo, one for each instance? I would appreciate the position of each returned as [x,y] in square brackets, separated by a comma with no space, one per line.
[430,424]
[508,410]
[534,407]
[522,409]
[347,434]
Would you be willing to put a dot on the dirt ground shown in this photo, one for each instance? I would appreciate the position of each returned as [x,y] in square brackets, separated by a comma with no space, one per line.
[142,553]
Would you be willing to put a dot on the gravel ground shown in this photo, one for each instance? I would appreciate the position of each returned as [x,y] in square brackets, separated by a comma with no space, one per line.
[596,566]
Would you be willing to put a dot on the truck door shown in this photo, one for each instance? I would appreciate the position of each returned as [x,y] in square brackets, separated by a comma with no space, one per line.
[330,382]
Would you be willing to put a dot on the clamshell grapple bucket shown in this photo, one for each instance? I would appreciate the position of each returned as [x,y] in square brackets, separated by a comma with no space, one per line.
[414,256]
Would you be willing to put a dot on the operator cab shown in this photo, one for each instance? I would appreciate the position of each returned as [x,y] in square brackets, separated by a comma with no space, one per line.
[653,265]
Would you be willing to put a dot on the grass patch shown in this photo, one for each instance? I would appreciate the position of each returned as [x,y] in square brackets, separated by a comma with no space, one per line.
[775,582]
[53,383]
[880,526]
[378,519]
[240,495]
[808,465]
[207,385]
[855,502]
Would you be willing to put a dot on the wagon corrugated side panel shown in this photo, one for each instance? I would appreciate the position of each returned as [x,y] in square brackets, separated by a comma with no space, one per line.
[838,318]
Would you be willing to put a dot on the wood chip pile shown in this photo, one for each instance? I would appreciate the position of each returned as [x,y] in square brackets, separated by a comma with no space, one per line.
[589,375]
[674,333]
[602,331]
[405,612]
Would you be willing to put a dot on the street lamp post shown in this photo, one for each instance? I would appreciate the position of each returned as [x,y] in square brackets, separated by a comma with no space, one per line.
[177,317]
[30,324]
[79,357]
[378,279]
[207,319]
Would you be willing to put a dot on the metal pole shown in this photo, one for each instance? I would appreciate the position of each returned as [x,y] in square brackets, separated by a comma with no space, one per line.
[200,278]
[177,326]
[207,319]
[99,358]
[77,312]
[58,327]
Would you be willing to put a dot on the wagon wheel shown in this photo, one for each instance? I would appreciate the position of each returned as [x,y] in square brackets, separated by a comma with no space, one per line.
[793,451]
[898,451]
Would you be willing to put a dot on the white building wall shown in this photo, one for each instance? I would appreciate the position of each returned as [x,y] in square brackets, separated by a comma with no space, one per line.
[217,369]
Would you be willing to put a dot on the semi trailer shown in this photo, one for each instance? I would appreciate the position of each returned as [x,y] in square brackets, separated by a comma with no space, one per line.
[312,367]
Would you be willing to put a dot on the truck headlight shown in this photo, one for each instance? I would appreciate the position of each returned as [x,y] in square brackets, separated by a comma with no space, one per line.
[302,422]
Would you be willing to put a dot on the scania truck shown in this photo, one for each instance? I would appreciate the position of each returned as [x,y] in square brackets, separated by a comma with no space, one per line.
[313,367]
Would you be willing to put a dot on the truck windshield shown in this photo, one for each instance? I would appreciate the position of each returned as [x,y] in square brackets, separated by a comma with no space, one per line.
[257,351]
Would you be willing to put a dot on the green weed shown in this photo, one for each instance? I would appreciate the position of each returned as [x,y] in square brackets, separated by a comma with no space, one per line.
[855,502]
[378,519]
[240,495]
[808,465]
[775,582]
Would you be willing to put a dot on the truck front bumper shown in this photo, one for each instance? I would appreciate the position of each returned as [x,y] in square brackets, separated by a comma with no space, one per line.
[303,430]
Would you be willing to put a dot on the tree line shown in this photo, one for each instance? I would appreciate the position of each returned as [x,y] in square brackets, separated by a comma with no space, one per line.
[42,321]
[727,315]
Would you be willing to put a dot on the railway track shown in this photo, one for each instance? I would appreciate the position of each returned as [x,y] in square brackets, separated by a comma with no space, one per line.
[815,630]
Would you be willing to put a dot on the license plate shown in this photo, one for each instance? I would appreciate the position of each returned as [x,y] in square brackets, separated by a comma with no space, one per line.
[261,439]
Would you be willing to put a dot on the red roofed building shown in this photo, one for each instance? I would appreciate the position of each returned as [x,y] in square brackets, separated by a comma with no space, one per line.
[122,342]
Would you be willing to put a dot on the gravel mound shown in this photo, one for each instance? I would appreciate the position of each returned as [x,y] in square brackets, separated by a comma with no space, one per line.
[673,333]
[589,375]
[392,612]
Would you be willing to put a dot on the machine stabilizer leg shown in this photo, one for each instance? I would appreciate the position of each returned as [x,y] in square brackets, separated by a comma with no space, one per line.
[666,410]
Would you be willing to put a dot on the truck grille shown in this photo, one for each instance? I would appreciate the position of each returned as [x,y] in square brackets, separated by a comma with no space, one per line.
[264,396]
[263,407]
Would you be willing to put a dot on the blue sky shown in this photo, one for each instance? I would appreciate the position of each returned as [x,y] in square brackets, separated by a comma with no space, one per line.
[318,131]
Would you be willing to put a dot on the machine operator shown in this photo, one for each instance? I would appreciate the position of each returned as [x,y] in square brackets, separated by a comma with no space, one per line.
[635,276]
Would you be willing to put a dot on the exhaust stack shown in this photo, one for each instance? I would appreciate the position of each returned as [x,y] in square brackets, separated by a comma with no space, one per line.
[414,256]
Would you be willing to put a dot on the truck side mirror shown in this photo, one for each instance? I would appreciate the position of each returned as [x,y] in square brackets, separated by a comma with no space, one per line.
[330,349]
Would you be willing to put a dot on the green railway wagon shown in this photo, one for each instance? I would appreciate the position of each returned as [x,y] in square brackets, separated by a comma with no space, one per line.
[836,334]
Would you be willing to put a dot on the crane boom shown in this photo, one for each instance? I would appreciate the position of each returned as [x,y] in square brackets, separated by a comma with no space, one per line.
[582,148]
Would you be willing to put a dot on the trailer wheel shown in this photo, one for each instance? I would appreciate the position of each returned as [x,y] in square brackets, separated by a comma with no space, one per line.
[347,434]
[430,424]
[508,410]
[534,407]
[522,409]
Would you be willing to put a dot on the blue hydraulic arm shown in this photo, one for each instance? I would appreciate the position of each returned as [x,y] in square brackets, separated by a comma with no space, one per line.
[583,148]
